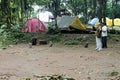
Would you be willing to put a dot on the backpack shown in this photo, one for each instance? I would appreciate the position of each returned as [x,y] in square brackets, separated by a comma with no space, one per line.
[99,33]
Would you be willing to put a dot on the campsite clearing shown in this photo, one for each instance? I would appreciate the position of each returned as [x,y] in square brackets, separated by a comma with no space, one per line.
[18,62]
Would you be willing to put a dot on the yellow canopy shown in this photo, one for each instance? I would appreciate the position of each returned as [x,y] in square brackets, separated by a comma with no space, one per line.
[77,24]
[117,22]
[108,22]
[97,23]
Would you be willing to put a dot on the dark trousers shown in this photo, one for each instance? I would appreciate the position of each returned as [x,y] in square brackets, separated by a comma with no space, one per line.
[104,42]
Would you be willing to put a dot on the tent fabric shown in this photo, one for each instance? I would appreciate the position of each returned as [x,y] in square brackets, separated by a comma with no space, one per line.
[93,21]
[117,22]
[33,25]
[77,24]
[108,22]
[67,21]
[97,24]
[64,22]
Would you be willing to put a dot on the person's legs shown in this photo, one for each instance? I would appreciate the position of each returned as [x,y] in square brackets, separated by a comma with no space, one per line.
[103,42]
[97,43]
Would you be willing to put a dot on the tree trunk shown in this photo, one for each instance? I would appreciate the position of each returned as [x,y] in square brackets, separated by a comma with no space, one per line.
[104,10]
[113,3]
[85,11]
[94,3]
[5,12]
[100,10]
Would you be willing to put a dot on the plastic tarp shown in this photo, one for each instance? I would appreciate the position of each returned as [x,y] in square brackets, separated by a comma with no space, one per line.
[76,23]
[93,21]
[33,25]
[66,21]
[108,22]
[117,22]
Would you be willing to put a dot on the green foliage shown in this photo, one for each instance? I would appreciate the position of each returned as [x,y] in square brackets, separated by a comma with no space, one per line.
[113,31]
[25,79]
[50,77]
[113,10]
[39,2]
[76,39]
[116,11]
[80,38]
[76,6]
[50,28]
[72,42]
[82,19]
[55,38]
[16,32]
[113,38]
[12,36]
[6,38]
[114,73]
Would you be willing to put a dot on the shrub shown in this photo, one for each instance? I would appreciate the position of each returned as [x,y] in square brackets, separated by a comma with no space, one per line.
[114,73]
[55,38]
[73,42]
[9,36]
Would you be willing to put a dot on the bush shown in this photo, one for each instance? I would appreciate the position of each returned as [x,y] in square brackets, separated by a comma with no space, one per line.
[55,38]
[114,73]
[73,42]
[10,36]
[6,38]
[113,31]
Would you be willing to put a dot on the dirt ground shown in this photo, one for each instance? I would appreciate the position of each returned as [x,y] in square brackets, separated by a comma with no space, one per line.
[19,61]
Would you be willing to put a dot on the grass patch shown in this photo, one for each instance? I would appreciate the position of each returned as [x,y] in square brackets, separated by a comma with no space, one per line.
[53,77]
[114,73]
[73,42]
[55,38]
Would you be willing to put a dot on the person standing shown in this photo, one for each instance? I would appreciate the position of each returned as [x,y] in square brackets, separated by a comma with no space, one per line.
[104,35]
[98,38]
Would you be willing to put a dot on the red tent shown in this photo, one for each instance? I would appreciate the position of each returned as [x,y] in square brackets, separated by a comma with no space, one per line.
[33,25]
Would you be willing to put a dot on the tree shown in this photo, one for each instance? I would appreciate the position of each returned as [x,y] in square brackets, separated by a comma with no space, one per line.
[55,7]
[94,6]
[76,6]
[85,11]
[102,10]
[16,10]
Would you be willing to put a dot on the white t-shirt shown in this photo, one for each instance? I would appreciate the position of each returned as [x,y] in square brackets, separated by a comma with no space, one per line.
[104,31]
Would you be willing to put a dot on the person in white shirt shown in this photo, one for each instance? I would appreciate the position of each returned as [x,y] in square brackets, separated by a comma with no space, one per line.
[104,35]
